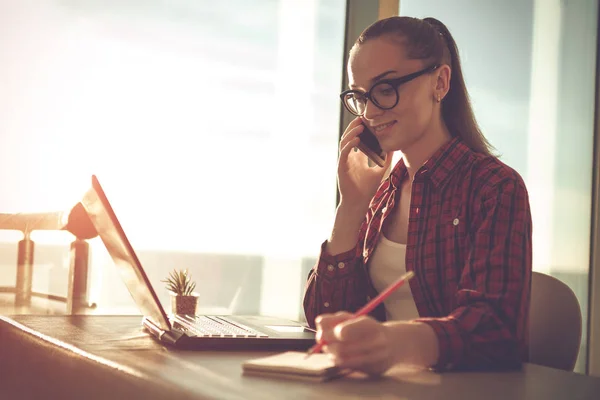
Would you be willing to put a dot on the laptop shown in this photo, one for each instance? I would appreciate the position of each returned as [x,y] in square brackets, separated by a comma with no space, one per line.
[200,332]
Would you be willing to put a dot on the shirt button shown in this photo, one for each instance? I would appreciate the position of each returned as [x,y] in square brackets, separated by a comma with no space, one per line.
[365,253]
[330,267]
[455,222]
[326,304]
[341,265]
[383,210]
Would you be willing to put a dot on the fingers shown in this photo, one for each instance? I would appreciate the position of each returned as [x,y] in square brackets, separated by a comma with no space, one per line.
[327,322]
[342,351]
[356,122]
[356,329]
[347,148]
[354,129]
[339,327]
[361,345]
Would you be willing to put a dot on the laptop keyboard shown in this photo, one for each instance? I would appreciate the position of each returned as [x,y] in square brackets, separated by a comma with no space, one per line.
[212,326]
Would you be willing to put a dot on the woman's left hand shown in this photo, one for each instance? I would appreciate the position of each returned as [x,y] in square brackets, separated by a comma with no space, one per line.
[362,344]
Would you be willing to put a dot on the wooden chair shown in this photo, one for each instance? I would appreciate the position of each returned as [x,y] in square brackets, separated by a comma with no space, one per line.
[554,323]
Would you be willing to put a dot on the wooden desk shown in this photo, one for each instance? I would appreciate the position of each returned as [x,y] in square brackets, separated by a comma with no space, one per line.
[99,357]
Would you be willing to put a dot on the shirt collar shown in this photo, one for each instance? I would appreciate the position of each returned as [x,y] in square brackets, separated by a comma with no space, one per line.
[440,165]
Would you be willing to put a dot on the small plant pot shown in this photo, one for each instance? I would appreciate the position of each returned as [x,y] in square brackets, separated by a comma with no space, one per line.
[185,305]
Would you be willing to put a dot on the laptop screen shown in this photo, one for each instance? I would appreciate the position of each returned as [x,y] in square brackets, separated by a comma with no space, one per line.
[111,233]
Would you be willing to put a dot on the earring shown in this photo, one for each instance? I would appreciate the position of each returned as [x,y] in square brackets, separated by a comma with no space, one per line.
[439,98]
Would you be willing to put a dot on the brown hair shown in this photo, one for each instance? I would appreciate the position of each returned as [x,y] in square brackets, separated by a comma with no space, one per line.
[429,39]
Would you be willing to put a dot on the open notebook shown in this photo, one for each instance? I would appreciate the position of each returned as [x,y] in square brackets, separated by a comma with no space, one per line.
[294,365]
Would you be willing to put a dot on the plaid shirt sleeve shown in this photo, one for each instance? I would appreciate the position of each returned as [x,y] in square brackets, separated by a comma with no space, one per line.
[340,282]
[335,284]
[489,324]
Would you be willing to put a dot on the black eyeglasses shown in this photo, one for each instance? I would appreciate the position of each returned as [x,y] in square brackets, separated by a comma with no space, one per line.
[384,94]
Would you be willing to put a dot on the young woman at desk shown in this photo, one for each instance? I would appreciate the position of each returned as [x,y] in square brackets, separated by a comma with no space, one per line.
[449,211]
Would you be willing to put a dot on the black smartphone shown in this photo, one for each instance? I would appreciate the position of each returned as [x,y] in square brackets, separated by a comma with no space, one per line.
[370,146]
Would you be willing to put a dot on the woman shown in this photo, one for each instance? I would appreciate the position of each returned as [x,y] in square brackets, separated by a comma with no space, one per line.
[449,211]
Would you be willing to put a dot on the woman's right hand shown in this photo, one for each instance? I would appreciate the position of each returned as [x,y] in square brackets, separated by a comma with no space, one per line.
[357,181]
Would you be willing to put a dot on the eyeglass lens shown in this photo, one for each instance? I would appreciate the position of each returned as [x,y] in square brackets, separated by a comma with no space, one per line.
[383,95]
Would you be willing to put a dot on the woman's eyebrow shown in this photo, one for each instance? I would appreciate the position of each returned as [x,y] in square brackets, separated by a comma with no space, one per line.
[383,75]
[377,78]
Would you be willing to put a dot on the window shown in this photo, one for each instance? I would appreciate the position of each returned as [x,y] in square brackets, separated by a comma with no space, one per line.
[213,127]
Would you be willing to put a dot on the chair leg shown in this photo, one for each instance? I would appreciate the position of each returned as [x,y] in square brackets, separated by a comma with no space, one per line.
[77,297]
[24,272]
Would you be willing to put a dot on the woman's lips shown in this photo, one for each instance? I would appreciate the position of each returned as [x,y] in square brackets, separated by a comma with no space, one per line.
[383,129]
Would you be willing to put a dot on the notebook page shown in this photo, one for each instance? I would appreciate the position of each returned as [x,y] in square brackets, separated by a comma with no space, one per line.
[293,362]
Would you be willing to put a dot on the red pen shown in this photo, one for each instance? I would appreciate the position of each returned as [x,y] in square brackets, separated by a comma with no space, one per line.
[370,306]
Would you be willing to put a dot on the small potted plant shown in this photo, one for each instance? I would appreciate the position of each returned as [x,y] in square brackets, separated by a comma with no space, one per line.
[181,287]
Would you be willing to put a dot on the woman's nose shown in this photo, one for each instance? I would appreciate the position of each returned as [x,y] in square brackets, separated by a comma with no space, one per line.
[371,110]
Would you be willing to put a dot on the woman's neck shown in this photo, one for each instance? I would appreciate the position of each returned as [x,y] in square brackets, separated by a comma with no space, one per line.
[420,151]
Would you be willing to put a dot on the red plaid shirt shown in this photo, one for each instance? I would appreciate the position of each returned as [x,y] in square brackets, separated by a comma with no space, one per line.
[469,244]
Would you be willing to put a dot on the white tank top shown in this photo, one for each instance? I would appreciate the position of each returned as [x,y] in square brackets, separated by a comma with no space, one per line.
[386,265]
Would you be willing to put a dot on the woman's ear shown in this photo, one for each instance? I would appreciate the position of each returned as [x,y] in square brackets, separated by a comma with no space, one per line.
[442,84]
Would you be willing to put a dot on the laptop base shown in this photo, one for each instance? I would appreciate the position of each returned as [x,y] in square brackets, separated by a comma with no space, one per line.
[179,338]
